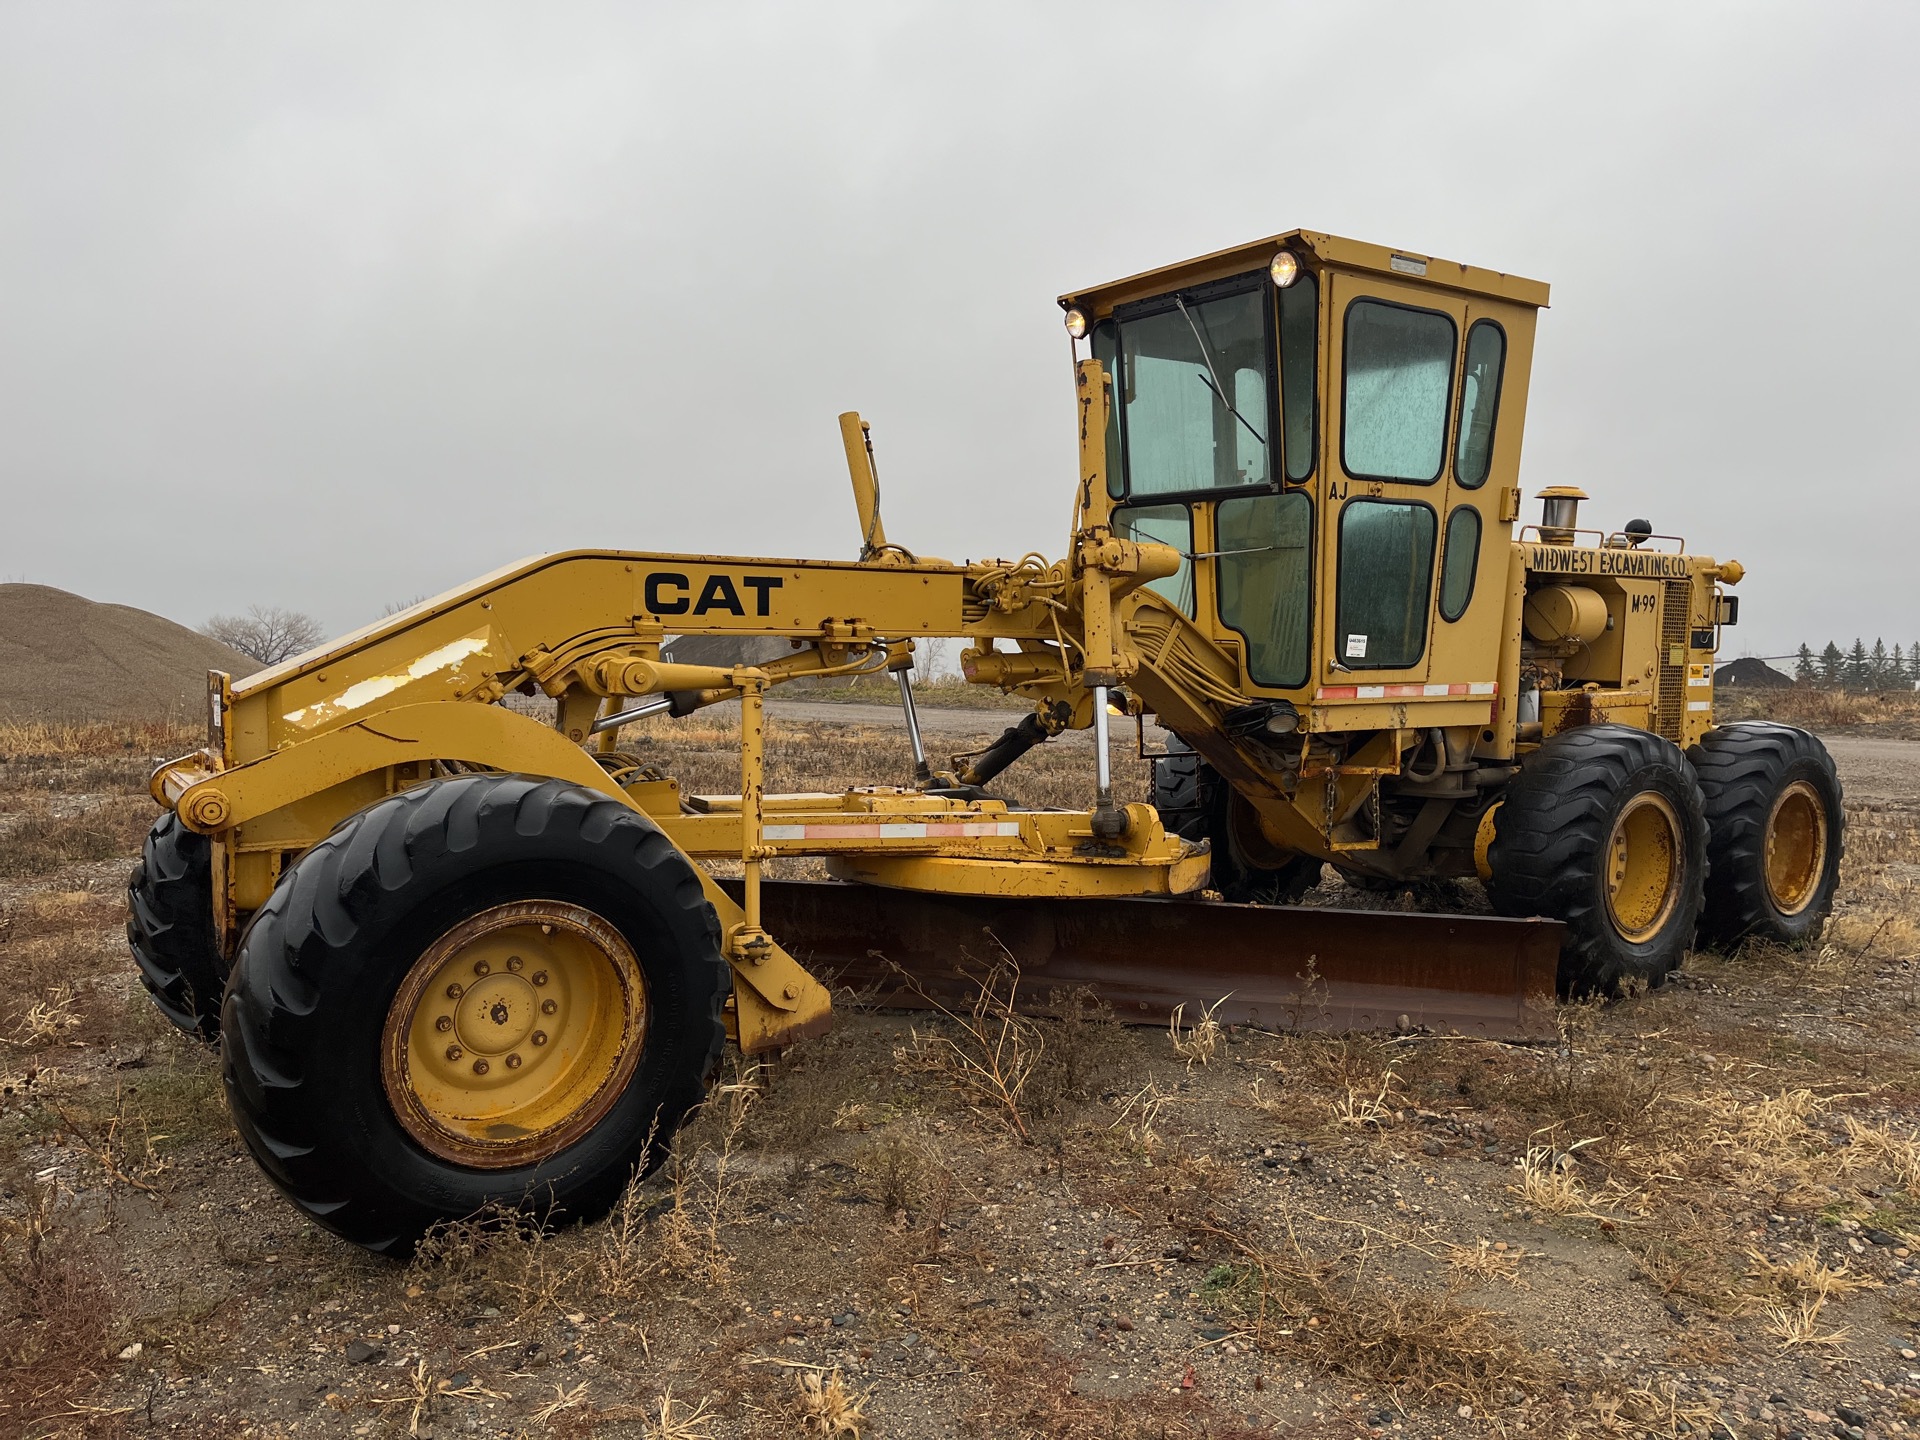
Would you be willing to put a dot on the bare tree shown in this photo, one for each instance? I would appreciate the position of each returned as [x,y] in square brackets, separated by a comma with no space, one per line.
[266,632]
[929,653]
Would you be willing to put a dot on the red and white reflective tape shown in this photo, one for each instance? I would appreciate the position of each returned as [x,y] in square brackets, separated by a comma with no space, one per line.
[896,830]
[1403,692]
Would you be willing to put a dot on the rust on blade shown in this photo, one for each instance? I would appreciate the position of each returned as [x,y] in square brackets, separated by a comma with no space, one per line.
[1280,967]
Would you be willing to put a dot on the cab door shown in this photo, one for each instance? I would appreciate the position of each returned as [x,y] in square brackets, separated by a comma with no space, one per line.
[1393,361]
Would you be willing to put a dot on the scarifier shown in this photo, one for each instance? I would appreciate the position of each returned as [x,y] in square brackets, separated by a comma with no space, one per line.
[459,955]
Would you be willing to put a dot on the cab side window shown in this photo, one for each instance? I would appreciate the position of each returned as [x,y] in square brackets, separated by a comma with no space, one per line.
[1164,525]
[1479,403]
[1399,374]
[1265,577]
[1299,363]
[1460,563]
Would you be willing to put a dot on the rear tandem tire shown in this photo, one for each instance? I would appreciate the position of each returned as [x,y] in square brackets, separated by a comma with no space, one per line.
[1775,831]
[1603,829]
[170,927]
[386,1047]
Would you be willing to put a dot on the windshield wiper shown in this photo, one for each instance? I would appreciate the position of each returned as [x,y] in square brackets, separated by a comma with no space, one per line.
[1212,378]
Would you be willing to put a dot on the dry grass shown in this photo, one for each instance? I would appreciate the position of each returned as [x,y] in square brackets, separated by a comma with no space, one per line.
[39,839]
[1795,1325]
[1358,1109]
[1548,1180]
[673,1419]
[824,1404]
[67,972]
[58,1305]
[1806,1277]
[1897,1155]
[41,740]
[707,1188]
[1817,709]
[1349,1314]
[1198,1043]
[1654,1410]
[993,1051]
[653,1241]
[1486,1260]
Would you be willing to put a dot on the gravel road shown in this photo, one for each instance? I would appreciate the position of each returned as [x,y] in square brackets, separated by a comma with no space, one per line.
[1875,769]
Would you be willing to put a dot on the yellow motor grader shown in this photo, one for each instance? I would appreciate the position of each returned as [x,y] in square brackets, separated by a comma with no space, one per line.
[458,952]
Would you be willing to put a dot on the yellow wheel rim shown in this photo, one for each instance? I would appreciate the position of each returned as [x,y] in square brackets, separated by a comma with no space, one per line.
[1796,848]
[1643,865]
[514,1033]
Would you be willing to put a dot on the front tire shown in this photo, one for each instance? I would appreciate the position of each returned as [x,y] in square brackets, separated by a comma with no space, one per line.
[170,927]
[491,990]
[1604,830]
[1775,829]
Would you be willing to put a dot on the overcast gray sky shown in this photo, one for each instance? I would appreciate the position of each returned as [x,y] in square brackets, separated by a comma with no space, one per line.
[329,306]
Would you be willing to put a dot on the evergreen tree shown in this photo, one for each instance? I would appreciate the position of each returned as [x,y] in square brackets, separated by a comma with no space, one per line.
[1896,671]
[1803,670]
[1859,667]
[1877,665]
[1833,665]
[1913,662]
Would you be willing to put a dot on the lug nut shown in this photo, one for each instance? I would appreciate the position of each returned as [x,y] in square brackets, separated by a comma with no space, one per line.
[454,1052]
[513,1062]
[443,1024]
[480,1067]
[481,967]
[539,1037]
[539,977]
[455,991]
[547,1007]
[514,962]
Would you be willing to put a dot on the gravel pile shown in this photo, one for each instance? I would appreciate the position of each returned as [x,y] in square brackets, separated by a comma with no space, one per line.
[67,659]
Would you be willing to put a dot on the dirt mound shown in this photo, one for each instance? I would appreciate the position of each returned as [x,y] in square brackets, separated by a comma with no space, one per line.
[69,659]
[1752,673]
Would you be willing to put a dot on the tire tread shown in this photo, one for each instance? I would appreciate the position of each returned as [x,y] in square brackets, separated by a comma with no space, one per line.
[1548,835]
[170,927]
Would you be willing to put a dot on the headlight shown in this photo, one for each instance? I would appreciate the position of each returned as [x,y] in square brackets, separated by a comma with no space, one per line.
[1284,268]
[1077,323]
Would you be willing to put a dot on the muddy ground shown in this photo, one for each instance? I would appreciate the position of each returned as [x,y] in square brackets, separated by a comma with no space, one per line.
[1698,1215]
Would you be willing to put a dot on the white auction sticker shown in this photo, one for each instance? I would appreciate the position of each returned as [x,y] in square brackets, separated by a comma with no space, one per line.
[1356,647]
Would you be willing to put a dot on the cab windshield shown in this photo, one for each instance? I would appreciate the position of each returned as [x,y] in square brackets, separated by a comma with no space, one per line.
[1195,383]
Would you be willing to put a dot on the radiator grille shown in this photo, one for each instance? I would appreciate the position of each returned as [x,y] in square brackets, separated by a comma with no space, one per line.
[1670,685]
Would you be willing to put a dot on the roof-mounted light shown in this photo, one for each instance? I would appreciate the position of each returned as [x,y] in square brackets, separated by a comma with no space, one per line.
[1077,322]
[1284,268]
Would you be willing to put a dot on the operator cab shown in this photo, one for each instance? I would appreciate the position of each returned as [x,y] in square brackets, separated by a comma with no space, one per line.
[1308,401]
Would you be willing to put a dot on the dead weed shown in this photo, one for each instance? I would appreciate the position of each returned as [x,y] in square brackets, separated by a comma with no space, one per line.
[58,1305]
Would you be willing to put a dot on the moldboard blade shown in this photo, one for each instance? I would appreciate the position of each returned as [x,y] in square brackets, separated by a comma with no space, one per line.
[1279,967]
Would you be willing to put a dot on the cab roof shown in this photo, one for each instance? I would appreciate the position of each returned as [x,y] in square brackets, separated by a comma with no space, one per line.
[1408,266]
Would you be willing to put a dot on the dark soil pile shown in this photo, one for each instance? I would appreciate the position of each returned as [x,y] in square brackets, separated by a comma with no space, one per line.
[1750,672]
[68,659]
